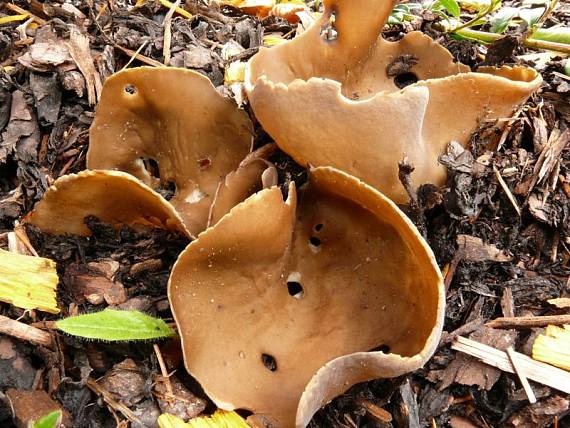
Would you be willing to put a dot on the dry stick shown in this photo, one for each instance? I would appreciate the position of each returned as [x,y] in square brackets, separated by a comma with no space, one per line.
[25,332]
[520,373]
[140,57]
[97,389]
[528,322]
[535,370]
[507,190]
[163,370]
[167,39]
[21,11]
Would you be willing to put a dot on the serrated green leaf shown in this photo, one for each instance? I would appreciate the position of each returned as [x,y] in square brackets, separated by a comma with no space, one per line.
[51,420]
[452,7]
[113,325]
[502,18]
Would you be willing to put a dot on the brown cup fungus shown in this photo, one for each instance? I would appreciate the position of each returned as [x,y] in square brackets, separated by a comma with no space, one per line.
[157,127]
[332,96]
[114,197]
[283,305]
[170,127]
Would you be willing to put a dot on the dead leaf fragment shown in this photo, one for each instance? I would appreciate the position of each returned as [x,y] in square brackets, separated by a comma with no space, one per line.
[474,250]
[29,406]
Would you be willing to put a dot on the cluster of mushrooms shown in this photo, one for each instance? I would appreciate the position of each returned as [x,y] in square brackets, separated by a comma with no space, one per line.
[284,304]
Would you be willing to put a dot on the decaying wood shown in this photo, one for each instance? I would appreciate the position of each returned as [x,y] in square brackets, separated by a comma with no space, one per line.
[528,322]
[25,332]
[534,370]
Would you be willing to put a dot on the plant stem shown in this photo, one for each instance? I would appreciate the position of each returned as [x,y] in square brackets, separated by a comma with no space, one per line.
[533,42]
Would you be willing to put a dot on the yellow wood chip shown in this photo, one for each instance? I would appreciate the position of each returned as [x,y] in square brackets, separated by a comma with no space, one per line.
[28,282]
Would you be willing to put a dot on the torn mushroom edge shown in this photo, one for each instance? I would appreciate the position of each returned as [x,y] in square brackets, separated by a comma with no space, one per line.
[309,398]
[393,364]
[53,189]
[489,73]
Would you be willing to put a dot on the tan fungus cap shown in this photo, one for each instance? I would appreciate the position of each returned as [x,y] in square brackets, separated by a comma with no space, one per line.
[176,119]
[336,102]
[113,197]
[280,304]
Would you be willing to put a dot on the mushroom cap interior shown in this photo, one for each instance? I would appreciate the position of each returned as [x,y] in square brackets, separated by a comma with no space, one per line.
[332,102]
[176,118]
[113,197]
[279,303]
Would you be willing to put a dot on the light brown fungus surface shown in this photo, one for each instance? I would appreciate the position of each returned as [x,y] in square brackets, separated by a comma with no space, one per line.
[170,127]
[332,96]
[279,303]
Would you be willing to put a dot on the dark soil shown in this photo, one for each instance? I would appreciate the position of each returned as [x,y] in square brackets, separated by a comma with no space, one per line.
[49,138]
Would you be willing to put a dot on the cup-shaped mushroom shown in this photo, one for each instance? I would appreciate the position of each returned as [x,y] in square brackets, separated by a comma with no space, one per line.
[283,305]
[170,127]
[333,96]
[114,197]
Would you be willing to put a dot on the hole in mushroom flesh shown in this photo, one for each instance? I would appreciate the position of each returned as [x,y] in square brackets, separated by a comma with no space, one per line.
[370,124]
[269,362]
[318,345]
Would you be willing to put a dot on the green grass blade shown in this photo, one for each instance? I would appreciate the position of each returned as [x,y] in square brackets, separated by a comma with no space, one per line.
[114,325]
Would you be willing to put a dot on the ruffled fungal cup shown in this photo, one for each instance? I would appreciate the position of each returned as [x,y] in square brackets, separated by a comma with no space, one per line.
[170,127]
[332,96]
[158,128]
[283,305]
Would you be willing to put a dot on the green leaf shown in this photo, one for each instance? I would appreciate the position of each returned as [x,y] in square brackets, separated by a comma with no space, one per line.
[531,16]
[567,68]
[51,420]
[113,325]
[502,18]
[452,7]
[553,34]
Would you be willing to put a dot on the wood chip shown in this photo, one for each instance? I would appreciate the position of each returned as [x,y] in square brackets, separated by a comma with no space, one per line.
[534,370]
[79,50]
[528,322]
[473,249]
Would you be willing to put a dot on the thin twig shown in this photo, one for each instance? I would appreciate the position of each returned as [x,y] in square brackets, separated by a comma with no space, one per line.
[507,190]
[528,322]
[520,373]
[163,370]
[25,332]
[167,39]
[127,413]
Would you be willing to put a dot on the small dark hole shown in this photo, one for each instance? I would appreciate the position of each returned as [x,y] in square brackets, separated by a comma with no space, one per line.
[130,89]
[382,348]
[269,362]
[151,166]
[405,79]
[318,227]
[204,164]
[315,241]
[295,289]
[244,413]
[167,190]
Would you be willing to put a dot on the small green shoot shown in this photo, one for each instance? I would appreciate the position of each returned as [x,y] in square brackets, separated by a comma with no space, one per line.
[113,325]
[452,7]
[51,420]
